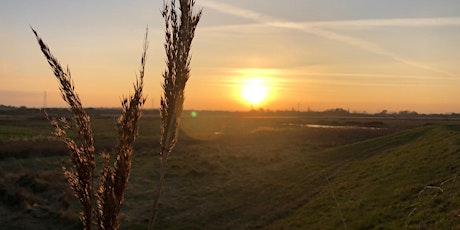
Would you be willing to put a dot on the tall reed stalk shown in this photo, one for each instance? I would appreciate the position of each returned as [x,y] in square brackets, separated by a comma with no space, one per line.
[180,28]
[115,179]
[81,176]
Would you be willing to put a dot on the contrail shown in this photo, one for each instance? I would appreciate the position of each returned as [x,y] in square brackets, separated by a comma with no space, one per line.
[311,29]
[389,22]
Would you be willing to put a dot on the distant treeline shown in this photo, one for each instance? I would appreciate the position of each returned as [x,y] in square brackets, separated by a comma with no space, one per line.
[12,110]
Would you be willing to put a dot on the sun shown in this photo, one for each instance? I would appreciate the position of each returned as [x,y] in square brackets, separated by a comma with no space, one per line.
[254,90]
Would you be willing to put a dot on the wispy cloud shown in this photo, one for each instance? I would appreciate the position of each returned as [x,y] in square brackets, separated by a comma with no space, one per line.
[359,24]
[296,79]
[390,22]
[232,10]
[315,29]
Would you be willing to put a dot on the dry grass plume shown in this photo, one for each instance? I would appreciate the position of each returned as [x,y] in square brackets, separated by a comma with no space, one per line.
[81,176]
[179,33]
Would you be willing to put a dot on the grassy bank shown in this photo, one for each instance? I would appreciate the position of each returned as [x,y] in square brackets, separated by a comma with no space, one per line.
[238,172]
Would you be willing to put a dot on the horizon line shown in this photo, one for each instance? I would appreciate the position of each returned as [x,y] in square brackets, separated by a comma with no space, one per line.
[251,110]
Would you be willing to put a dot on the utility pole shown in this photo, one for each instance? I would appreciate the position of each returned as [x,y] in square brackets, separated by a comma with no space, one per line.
[44,100]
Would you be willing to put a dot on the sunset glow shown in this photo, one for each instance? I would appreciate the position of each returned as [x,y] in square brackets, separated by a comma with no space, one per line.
[317,55]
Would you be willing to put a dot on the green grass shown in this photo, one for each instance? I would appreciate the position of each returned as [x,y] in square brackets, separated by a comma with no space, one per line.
[34,195]
[259,173]
[272,186]
[377,183]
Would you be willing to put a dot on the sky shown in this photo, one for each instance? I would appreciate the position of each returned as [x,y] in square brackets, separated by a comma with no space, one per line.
[361,55]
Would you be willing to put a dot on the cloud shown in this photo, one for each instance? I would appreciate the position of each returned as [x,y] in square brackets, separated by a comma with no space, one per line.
[229,9]
[390,22]
[311,28]
[357,24]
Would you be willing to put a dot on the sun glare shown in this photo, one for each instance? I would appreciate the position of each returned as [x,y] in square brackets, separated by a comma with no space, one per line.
[254,91]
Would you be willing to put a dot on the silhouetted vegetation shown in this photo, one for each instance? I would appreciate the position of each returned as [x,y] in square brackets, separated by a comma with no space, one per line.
[110,194]
[180,25]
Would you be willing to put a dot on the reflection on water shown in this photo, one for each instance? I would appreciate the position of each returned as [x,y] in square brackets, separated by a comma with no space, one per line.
[331,126]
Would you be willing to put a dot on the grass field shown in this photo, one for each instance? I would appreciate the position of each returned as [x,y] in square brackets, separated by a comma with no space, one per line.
[249,170]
